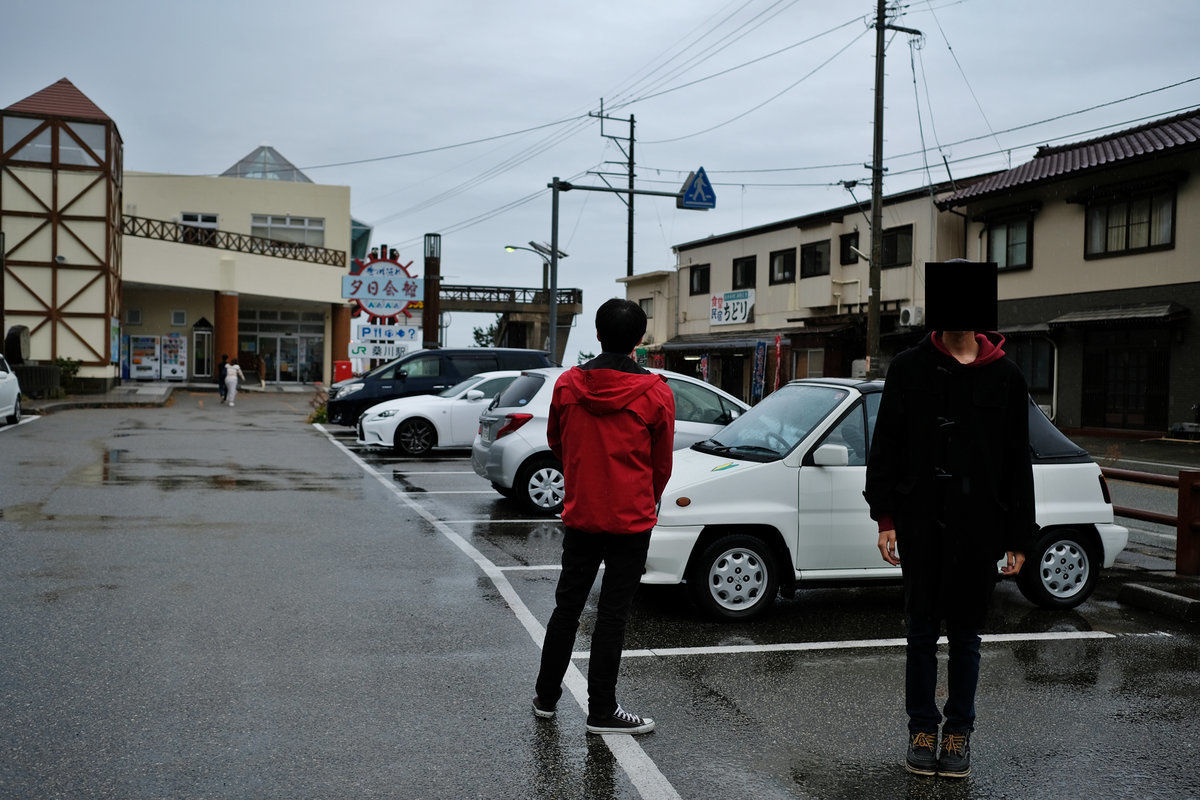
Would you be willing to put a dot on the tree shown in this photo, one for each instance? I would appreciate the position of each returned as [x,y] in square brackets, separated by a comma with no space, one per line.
[486,337]
[585,357]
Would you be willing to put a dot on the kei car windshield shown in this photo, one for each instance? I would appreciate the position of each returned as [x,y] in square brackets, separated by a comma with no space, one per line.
[774,427]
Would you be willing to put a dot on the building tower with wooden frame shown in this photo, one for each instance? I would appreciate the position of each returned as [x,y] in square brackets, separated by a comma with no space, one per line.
[60,211]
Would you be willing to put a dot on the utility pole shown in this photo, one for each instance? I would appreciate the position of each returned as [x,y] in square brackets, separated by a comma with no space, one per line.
[873,274]
[628,198]
[874,268]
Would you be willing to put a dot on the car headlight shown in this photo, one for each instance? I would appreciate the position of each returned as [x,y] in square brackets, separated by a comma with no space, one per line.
[390,412]
[351,389]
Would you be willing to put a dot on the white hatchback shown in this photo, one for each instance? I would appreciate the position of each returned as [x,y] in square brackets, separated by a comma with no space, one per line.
[512,451]
[416,424]
[775,500]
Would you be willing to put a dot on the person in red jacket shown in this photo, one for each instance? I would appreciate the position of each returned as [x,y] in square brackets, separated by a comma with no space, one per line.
[612,425]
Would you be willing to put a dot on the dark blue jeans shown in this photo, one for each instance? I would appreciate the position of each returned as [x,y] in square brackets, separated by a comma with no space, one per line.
[920,684]
[624,559]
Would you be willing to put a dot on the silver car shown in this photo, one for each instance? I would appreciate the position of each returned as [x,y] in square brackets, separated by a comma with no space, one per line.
[511,449]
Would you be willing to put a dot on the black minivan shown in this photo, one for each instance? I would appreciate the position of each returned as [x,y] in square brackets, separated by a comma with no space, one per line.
[422,372]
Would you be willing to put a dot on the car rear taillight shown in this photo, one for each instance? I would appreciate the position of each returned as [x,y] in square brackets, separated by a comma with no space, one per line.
[512,422]
[1104,491]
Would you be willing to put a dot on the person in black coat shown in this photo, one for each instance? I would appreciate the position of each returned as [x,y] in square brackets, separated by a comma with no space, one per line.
[950,482]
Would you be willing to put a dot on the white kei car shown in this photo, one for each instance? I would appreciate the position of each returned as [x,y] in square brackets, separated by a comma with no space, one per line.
[416,424]
[10,394]
[512,450]
[775,500]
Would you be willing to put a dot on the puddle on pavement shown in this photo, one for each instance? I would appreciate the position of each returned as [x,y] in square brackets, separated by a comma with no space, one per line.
[118,468]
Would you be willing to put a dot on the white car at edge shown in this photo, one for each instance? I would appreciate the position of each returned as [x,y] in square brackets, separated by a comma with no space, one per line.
[416,424]
[775,500]
[10,394]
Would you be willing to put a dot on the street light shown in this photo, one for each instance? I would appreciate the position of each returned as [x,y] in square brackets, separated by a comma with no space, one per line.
[549,256]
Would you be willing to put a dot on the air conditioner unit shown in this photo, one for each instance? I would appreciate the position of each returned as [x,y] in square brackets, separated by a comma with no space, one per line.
[912,316]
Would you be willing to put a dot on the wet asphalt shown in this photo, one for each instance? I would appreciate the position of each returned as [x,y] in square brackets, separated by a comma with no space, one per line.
[199,601]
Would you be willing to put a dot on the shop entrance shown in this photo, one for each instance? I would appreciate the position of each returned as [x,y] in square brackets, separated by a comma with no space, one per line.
[289,359]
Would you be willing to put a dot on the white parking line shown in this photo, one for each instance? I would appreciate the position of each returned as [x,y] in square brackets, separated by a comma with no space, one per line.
[645,775]
[852,644]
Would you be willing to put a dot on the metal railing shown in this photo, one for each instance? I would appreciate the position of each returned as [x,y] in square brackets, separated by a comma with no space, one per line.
[508,294]
[1186,520]
[167,231]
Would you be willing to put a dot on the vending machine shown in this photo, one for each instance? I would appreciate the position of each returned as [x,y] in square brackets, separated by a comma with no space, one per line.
[144,363]
[174,357]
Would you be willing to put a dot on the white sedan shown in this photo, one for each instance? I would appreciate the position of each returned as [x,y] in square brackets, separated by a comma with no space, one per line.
[415,425]
[10,394]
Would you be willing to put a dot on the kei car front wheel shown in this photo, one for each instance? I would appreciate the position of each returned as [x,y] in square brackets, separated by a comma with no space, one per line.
[735,578]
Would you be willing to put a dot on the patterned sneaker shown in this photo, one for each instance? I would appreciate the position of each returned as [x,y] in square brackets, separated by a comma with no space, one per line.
[922,754]
[955,758]
[542,710]
[620,721]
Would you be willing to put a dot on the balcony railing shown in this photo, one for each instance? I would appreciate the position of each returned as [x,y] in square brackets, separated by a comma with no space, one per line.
[166,231]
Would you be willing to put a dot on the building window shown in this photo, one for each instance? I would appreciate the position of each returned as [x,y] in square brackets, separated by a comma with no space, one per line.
[647,304]
[847,243]
[698,279]
[814,259]
[744,272]
[196,228]
[1009,243]
[1131,223]
[897,247]
[133,316]
[808,363]
[1035,357]
[783,266]
[305,231]
[178,317]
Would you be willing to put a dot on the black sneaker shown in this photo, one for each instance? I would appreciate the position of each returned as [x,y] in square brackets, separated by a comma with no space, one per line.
[922,753]
[541,709]
[955,758]
[620,721]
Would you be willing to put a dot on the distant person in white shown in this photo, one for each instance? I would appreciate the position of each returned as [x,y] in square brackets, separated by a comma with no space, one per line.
[233,374]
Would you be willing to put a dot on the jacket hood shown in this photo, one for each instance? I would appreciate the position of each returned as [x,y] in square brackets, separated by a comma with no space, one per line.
[605,390]
[991,347]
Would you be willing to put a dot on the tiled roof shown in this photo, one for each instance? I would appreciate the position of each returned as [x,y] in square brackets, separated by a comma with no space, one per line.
[61,99]
[1049,163]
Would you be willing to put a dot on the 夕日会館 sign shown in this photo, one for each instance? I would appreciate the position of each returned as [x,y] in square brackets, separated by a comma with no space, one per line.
[382,288]
[731,308]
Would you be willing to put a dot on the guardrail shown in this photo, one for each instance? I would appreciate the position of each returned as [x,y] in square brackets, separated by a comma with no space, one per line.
[1186,521]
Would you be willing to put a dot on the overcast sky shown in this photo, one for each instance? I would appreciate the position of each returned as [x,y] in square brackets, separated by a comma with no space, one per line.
[461,111]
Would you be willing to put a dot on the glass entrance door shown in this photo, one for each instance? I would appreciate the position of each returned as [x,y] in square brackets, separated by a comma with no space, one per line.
[289,367]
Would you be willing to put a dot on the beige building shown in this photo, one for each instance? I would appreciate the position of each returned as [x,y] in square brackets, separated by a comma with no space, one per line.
[150,276]
[803,280]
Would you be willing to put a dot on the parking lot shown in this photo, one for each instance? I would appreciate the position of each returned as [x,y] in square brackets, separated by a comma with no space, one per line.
[200,601]
[806,703]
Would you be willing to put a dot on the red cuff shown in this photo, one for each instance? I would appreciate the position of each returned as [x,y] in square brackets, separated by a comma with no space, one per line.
[886,523]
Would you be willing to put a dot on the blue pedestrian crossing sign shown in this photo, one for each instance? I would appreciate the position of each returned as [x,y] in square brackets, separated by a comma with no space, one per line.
[697,192]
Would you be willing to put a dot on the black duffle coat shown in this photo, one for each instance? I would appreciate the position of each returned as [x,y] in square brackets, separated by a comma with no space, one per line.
[950,466]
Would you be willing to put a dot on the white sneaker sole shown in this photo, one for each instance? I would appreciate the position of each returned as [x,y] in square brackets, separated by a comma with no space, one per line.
[646,726]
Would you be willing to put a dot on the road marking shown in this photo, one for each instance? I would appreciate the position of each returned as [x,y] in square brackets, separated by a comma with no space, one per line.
[645,775]
[533,569]
[853,644]
[483,521]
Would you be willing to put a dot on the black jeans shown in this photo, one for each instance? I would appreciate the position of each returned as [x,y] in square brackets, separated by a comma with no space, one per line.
[624,559]
[921,671]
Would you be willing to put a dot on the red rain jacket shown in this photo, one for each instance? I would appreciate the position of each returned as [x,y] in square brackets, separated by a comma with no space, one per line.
[612,425]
